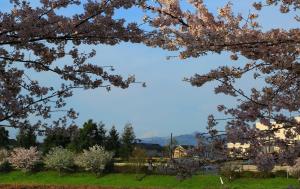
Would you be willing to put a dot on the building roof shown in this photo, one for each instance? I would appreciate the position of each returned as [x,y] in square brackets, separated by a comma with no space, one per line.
[186,147]
[148,146]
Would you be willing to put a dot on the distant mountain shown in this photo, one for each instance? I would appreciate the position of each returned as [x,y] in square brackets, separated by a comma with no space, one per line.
[188,139]
[155,140]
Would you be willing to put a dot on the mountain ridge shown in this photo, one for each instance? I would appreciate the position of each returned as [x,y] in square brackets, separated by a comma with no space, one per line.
[185,139]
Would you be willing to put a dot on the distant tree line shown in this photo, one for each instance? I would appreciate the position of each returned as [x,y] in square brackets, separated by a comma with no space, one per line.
[74,138]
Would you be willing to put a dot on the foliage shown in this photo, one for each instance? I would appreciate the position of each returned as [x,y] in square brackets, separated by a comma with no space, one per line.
[183,168]
[24,159]
[5,167]
[138,157]
[26,137]
[271,56]
[113,141]
[3,156]
[127,169]
[36,39]
[295,169]
[58,136]
[280,173]
[230,170]
[265,162]
[89,135]
[211,146]
[60,159]
[4,140]
[94,159]
[127,141]
[4,164]
[101,139]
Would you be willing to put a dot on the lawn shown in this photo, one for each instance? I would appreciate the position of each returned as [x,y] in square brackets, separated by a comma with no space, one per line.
[153,181]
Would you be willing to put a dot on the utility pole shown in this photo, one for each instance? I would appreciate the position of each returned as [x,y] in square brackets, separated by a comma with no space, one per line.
[171,146]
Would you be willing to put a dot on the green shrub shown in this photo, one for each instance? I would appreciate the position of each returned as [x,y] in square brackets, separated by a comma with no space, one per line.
[39,166]
[252,174]
[230,170]
[59,159]
[5,167]
[262,174]
[138,158]
[280,173]
[109,167]
[127,169]
[248,174]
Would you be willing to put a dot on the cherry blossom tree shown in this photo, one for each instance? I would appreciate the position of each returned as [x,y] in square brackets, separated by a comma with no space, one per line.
[272,57]
[295,169]
[59,159]
[38,40]
[94,159]
[24,159]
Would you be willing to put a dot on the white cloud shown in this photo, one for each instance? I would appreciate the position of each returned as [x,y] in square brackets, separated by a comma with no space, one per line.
[149,134]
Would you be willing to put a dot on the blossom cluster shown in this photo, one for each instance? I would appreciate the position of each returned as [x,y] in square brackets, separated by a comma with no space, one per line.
[94,159]
[38,39]
[272,58]
[24,159]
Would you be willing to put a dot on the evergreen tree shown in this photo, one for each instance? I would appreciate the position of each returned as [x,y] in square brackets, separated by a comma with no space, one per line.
[113,141]
[4,140]
[88,136]
[57,136]
[127,141]
[101,138]
[26,137]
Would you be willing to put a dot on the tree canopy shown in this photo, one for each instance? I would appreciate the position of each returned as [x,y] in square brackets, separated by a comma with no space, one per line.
[36,39]
[271,56]
[127,141]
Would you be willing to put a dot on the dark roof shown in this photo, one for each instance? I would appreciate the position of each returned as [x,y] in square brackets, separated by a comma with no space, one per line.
[148,146]
[187,146]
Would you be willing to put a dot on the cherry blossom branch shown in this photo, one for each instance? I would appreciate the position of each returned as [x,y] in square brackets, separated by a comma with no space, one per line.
[160,11]
[57,93]
[93,15]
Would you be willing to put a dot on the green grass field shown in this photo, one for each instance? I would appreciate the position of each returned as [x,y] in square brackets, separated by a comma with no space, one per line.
[153,181]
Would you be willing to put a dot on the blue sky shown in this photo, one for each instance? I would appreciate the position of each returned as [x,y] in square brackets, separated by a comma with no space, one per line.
[167,104]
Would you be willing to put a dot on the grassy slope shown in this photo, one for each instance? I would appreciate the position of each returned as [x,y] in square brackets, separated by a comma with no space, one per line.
[128,180]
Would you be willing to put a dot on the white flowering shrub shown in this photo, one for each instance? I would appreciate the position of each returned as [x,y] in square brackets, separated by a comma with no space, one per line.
[295,169]
[24,159]
[59,158]
[94,159]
